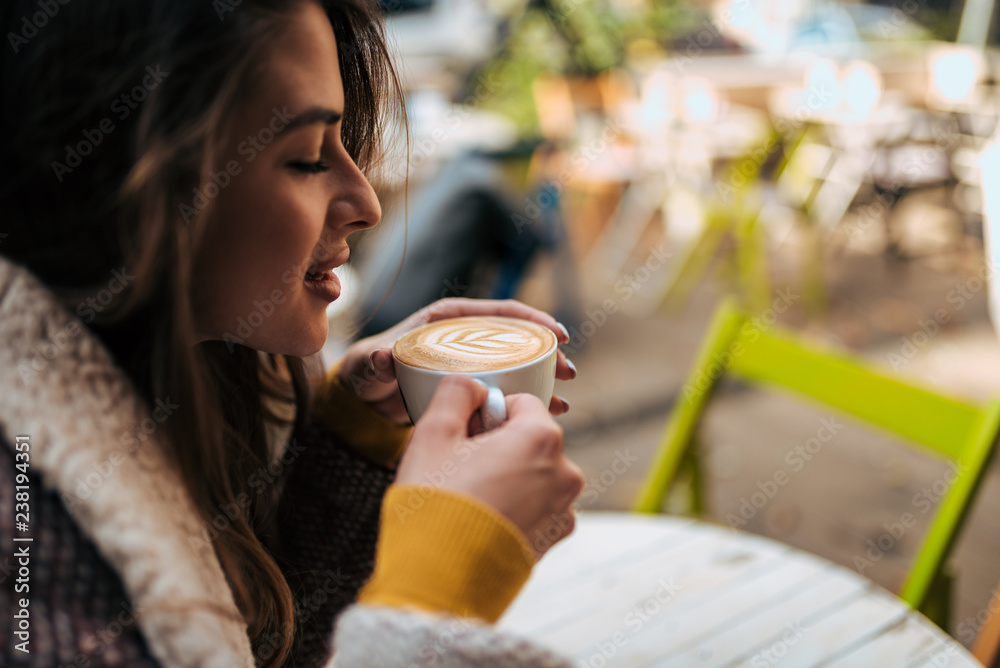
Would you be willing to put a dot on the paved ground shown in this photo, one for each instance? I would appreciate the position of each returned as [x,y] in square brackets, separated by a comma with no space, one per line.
[631,366]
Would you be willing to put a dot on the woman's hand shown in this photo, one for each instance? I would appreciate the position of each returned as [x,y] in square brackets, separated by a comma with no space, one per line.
[367,367]
[519,468]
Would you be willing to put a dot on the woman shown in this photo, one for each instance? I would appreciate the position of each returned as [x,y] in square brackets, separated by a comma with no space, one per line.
[183,179]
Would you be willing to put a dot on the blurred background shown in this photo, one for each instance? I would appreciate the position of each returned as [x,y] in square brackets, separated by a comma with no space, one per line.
[626,164]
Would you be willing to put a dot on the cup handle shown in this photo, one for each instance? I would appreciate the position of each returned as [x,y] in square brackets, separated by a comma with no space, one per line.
[494,411]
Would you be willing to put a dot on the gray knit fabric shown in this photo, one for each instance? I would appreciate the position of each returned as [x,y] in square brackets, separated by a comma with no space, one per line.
[404,638]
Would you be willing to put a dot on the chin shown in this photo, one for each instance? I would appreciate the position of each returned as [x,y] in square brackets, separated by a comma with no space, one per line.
[294,340]
[303,347]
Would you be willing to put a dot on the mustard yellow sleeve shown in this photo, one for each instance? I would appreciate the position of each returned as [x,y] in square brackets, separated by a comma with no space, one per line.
[356,423]
[445,552]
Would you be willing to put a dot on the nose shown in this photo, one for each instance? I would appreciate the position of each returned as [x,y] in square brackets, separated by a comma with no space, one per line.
[353,203]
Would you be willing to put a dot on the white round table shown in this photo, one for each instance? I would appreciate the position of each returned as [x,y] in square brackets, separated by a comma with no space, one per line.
[643,590]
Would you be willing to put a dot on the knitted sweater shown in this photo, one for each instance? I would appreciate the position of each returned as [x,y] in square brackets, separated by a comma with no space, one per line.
[109,563]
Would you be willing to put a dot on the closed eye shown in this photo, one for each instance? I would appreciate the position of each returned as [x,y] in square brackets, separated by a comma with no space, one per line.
[310,167]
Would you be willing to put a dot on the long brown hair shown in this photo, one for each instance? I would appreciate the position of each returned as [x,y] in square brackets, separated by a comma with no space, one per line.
[95,173]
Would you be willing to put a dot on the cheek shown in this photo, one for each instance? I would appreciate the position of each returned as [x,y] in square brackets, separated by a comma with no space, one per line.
[259,241]
[269,226]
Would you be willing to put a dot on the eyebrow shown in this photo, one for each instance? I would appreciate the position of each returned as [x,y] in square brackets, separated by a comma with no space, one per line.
[313,115]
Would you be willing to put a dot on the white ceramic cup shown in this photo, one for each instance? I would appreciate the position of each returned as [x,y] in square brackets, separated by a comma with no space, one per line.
[536,377]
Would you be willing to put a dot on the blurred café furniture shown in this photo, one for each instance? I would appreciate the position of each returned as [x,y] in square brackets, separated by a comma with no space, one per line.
[989,203]
[641,591]
[987,645]
[584,147]
[669,141]
[961,434]
[964,97]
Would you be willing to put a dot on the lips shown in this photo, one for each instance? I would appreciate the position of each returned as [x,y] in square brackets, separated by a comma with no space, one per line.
[318,271]
[325,285]
[318,275]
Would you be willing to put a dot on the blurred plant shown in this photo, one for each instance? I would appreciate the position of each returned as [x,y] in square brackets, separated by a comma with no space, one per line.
[940,17]
[661,21]
[575,38]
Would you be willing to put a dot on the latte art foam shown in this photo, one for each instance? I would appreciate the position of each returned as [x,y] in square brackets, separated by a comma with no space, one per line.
[474,344]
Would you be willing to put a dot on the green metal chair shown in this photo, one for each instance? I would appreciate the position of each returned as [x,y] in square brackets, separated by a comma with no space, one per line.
[954,430]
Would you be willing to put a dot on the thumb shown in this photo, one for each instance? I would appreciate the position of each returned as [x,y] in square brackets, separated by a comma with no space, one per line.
[452,406]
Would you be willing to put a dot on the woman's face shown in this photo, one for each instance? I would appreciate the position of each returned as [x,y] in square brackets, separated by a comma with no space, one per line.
[286,197]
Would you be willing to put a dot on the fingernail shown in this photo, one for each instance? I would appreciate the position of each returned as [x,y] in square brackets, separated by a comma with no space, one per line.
[481,384]
[572,367]
[564,330]
[565,405]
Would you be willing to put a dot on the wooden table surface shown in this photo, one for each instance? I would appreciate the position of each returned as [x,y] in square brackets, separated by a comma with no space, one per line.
[642,590]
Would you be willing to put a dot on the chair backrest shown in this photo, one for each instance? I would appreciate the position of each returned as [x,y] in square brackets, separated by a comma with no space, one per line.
[757,351]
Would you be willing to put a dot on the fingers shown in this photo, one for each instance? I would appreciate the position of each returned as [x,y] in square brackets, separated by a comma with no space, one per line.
[527,415]
[565,369]
[559,524]
[526,406]
[575,480]
[383,365]
[452,308]
[393,408]
[557,406]
[453,404]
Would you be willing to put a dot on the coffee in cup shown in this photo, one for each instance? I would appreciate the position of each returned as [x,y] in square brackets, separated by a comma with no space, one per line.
[510,355]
